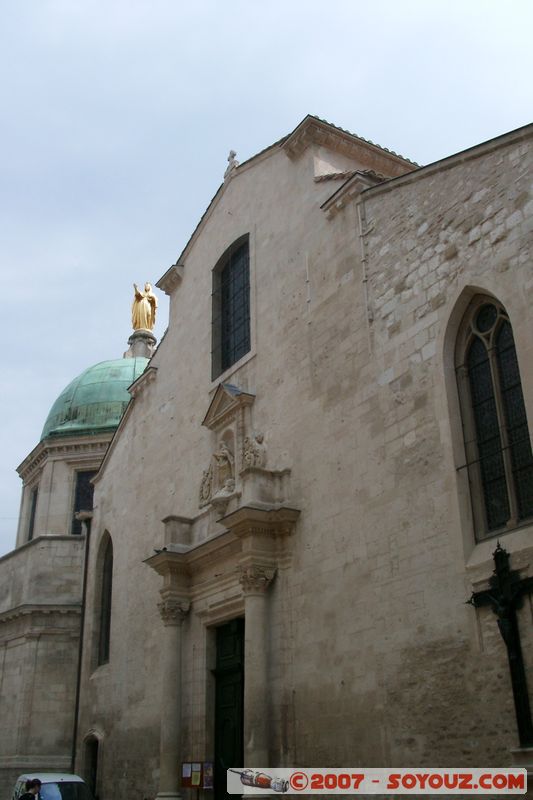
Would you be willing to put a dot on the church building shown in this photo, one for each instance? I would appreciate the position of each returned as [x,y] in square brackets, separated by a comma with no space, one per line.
[299,531]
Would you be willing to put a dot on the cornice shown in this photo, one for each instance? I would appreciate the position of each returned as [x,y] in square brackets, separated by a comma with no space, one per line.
[171,279]
[178,562]
[250,519]
[148,376]
[68,448]
[39,610]
[42,540]
[351,189]
[313,130]
[184,560]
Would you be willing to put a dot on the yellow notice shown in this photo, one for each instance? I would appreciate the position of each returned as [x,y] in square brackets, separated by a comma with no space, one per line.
[196,774]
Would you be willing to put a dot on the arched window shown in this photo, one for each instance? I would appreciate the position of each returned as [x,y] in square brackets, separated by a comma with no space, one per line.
[105,570]
[497,441]
[91,764]
[231,307]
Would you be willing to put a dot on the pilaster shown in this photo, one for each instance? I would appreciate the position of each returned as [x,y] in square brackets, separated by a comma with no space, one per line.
[255,579]
[173,609]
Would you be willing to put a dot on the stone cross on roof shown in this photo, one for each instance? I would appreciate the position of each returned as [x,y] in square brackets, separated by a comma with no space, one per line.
[232,163]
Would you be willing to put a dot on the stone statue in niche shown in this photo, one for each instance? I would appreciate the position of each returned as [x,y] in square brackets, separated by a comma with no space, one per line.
[206,487]
[218,481]
[224,462]
[254,451]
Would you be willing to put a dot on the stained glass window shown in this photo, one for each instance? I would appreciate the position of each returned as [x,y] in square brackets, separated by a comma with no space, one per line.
[500,459]
[514,410]
[231,308]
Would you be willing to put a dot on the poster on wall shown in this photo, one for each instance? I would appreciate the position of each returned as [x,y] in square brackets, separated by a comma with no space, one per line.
[196,777]
[208,775]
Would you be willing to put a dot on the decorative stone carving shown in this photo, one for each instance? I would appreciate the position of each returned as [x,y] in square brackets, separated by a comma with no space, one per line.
[232,164]
[206,487]
[254,451]
[223,496]
[224,462]
[173,610]
[218,481]
[228,490]
[256,578]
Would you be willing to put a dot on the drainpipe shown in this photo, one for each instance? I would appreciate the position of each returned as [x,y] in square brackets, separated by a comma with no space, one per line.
[85,518]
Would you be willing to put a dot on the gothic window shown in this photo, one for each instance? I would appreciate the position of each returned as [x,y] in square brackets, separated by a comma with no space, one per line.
[33,509]
[106,591]
[497,442]
[231,307]
[83,497]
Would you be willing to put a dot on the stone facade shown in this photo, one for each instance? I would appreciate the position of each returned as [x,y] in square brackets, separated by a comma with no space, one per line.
[40,609]
[51,468]
[316,488]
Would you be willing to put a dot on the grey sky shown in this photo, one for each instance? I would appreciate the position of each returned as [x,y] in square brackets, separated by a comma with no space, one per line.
[117,118]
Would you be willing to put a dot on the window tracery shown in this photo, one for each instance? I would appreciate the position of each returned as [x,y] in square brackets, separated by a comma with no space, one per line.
[497,440]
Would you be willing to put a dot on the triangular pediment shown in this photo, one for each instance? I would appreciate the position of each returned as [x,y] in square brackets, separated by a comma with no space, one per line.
[227,400]
[364,154]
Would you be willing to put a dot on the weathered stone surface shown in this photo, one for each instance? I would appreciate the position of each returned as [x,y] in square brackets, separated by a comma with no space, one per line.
[371,656]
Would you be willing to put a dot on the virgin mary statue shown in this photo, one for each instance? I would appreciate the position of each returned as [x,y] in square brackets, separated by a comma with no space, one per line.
[143,308]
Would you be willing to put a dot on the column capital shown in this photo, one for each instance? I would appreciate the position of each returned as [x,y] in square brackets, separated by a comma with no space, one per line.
[256,578]
[173,610]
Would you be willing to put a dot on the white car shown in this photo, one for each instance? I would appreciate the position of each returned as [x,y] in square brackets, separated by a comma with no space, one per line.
[55,786]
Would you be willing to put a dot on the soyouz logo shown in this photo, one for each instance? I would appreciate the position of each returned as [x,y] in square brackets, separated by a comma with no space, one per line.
[354,780]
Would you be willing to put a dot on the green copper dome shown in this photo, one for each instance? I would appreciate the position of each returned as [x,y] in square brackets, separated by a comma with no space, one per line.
[95,401]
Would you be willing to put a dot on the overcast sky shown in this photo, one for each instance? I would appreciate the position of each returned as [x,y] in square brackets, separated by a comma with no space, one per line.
[116,121]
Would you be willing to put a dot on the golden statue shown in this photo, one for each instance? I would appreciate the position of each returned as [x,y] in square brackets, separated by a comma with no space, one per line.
[143,308]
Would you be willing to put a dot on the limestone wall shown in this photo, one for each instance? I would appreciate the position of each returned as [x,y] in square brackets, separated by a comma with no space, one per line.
[433,242]
[46,570]
[40,603]
[374,657]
